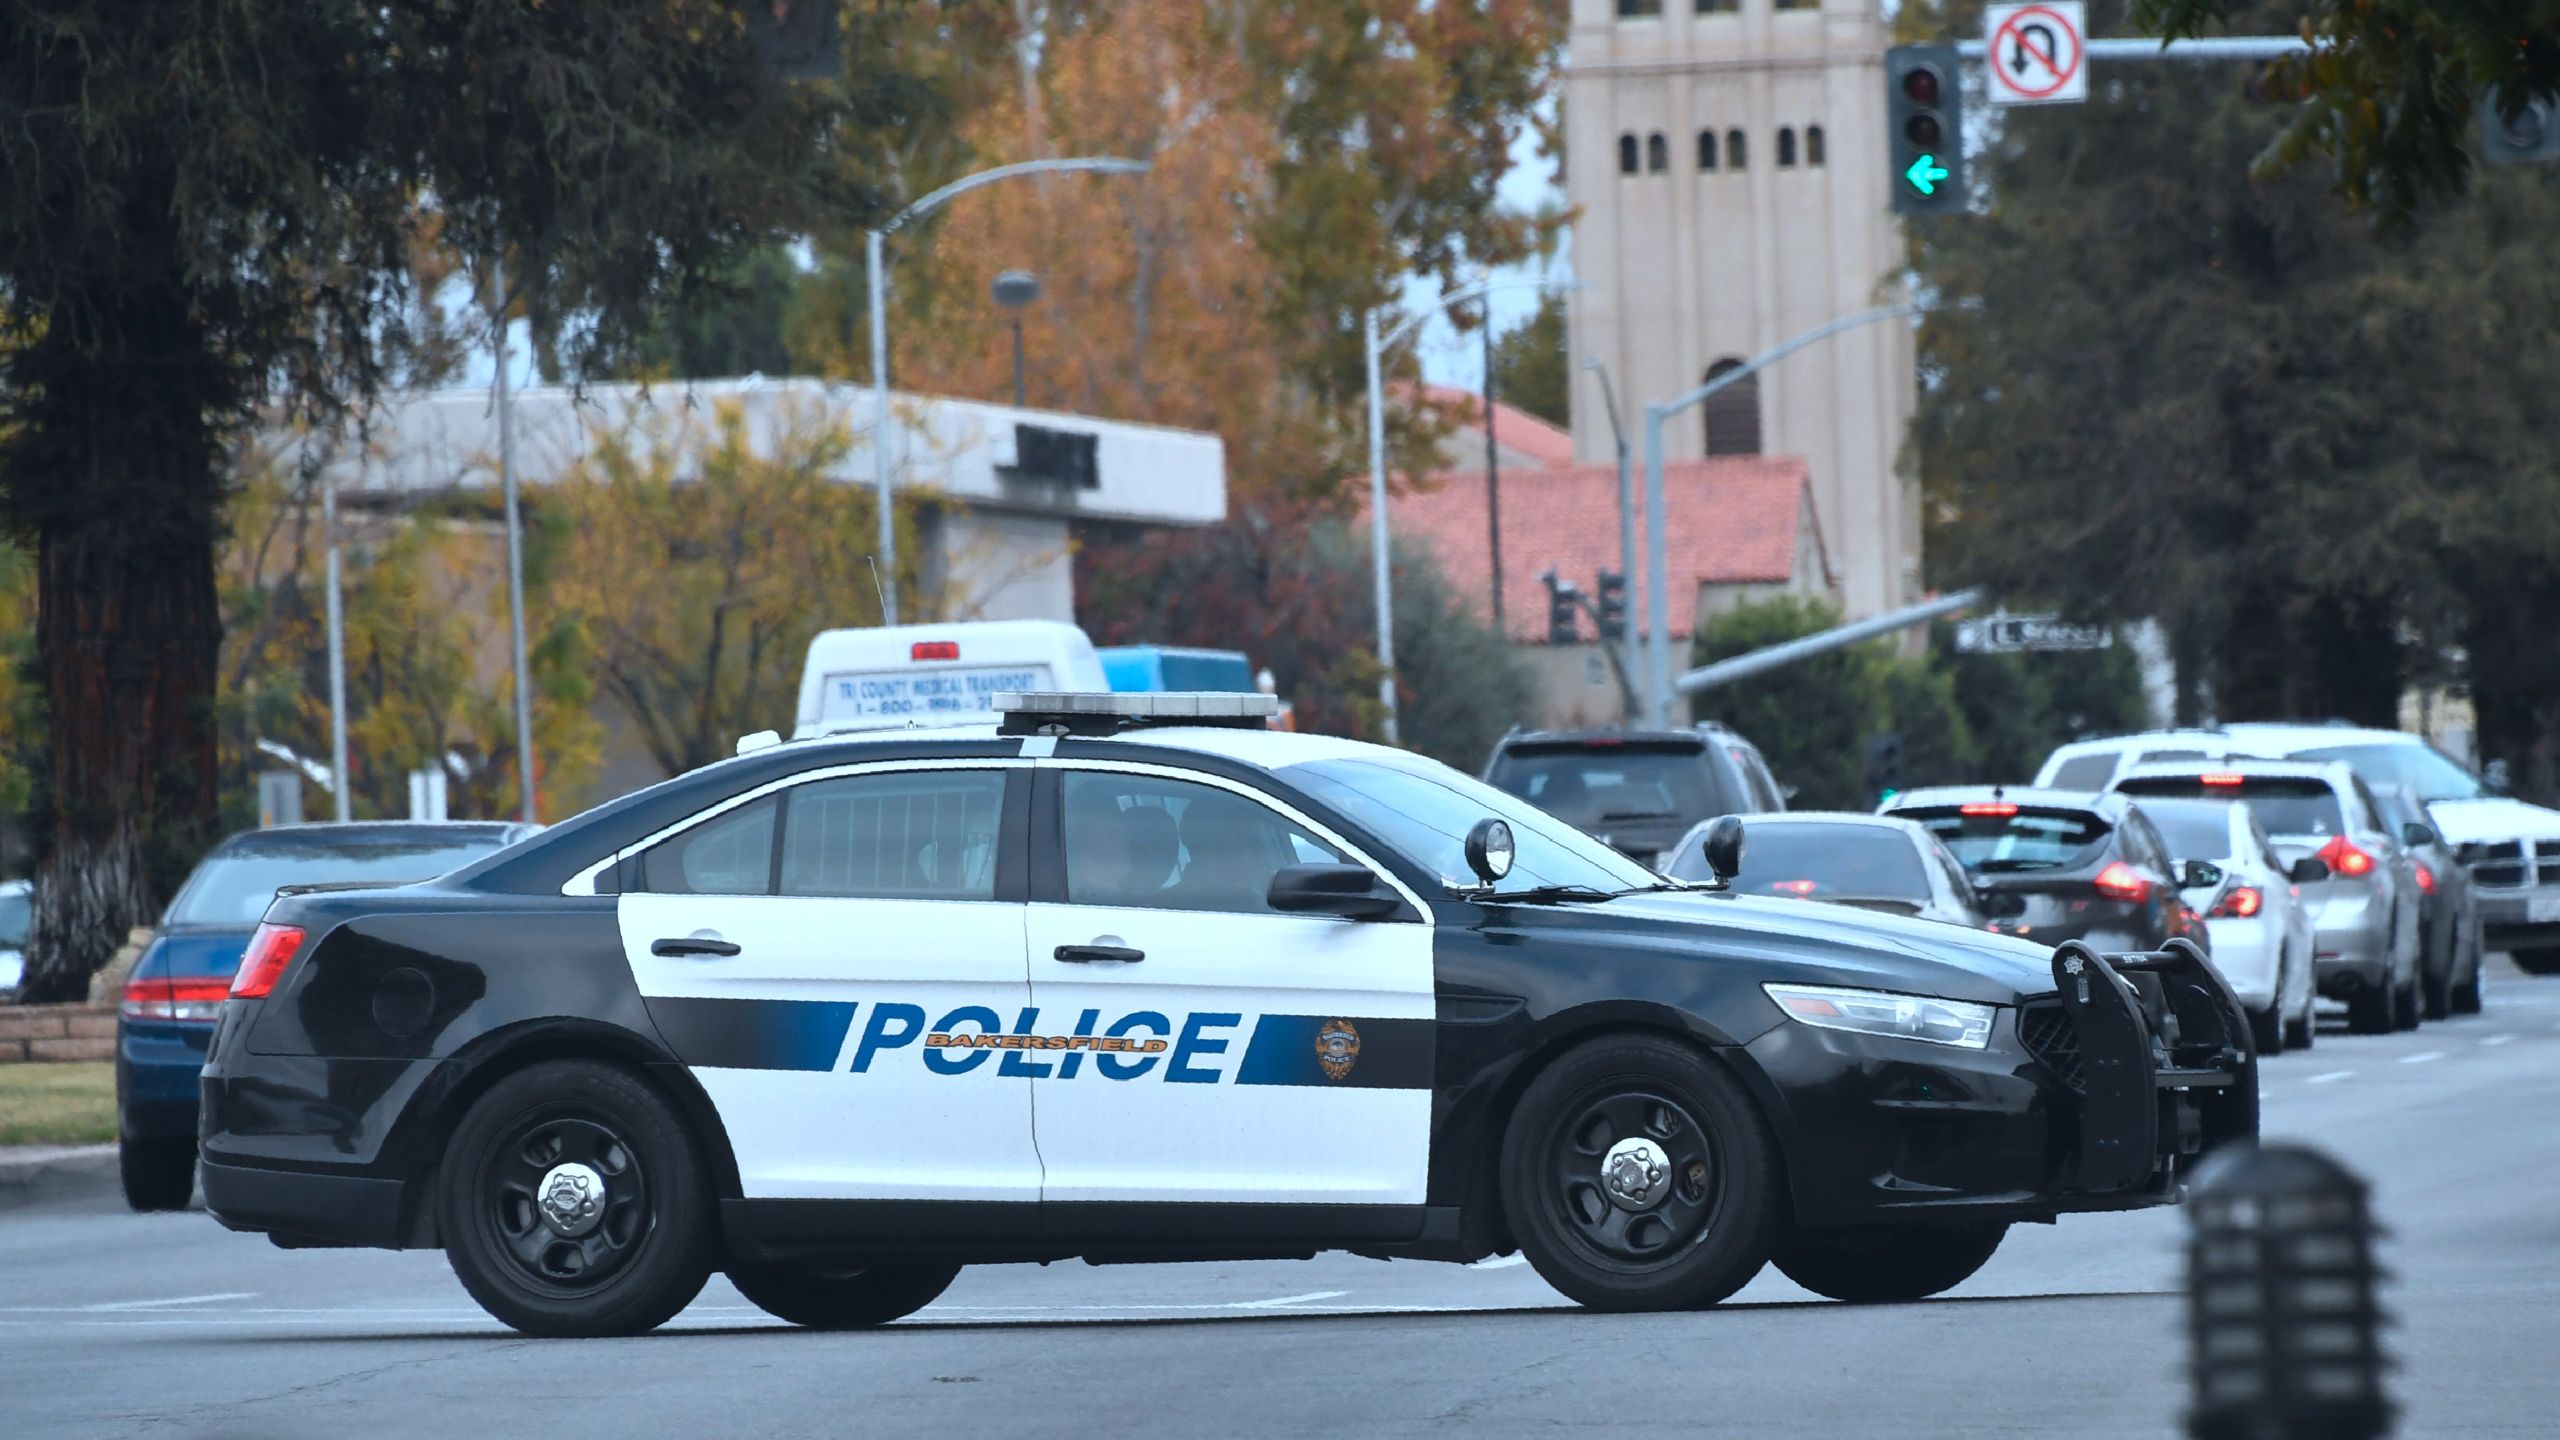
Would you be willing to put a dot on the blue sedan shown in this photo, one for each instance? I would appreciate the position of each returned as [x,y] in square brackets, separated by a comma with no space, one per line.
[175,993]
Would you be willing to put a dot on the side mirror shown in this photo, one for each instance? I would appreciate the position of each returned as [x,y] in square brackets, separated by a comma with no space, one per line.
[1999,904]
[2198,875]
[1489,850]
[2309,870]
[2418,835]
[1723,847]
[1349,891]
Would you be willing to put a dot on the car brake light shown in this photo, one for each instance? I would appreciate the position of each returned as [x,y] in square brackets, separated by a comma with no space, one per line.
[2220,778]
[2342,856]
[2243,902]
[2120,881]
[195,999]
[1793,887]
[270,950]
[1986,807]
[934,650]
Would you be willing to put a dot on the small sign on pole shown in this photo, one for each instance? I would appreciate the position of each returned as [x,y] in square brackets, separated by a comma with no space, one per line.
[2034,54]
[2008,634]
[279,797]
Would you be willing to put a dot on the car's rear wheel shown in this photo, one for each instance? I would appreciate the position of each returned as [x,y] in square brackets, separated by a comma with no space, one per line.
[574,1202]
[2369,1011]
[1638,1176]
[157,1174]
[2301,1030]
[2267,1031]
[842,1298]
[2538,960]
[2466,993]
[2437,992]
[1888,1263]
[2405,1005]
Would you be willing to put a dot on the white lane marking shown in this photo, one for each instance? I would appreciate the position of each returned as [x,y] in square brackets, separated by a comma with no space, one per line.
[2495,1039]
[2326,1078]
[178,1300]
[1501,1262]
[1287,1300]
[2422,1057]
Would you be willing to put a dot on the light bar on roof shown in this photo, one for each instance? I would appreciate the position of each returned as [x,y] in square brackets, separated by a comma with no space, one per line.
[1141,705]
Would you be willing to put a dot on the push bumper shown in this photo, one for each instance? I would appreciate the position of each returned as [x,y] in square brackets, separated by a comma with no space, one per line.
[2168,1070]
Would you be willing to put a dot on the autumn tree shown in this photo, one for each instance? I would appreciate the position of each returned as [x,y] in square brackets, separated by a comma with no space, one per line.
[1530,368]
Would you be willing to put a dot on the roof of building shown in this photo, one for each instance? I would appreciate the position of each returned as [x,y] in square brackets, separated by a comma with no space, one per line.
[1733,520]
[1515,430]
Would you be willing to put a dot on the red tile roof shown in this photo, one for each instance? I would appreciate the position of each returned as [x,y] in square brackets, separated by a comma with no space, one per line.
[1513,429]
[1733,520]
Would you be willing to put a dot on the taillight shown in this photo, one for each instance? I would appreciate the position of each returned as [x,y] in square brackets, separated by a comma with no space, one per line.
[270,950]
[934,650]
[2343,858]
[2220,778]
[197,999]
[1985,807]
[2242,902]
[2120,881]
[2426,878]
[1792,887]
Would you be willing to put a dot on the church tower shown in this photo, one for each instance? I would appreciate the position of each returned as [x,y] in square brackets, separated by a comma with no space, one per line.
[1726,159]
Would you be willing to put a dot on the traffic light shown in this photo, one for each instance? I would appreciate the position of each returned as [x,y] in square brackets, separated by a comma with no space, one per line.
[1613,605]
[1561,594]
[1924,104]
[1884,763]
[2532,136]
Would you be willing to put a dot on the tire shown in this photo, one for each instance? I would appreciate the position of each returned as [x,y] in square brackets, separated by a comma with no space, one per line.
[1888,1264]
[2436,991]
[624,1267]
[1716,1191]
[852,1299]
[2266,1032]
[2369,1012]
[2541,960]
[2466,995]
[2301,1030]
[157,1174]
[2405,1006]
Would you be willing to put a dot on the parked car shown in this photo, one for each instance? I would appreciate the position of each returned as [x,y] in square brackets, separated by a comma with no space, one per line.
[17,911]
[1873,862]
[2263,939]
[177,987]
[1638,791]
[2365,914]
[2448,910]
[2063,867]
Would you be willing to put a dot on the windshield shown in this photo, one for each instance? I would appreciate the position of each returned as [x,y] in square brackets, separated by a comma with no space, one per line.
[15,911]
[2004,838]
[1594,785]
[2285,806]
[2419,768]
[1425,815]
[1781,857]
[234,887]
[2195,829]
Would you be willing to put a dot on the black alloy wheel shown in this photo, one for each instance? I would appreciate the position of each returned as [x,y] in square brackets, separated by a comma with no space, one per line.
[1638,1176]
[847,1298]
[573,1202]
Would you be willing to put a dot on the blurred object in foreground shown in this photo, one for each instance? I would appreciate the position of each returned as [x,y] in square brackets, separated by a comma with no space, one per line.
[2282,1310]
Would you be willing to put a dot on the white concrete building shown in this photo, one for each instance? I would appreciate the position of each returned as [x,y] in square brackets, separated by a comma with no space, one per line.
[1727,160]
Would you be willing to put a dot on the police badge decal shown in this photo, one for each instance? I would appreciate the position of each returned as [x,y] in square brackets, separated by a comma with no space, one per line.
[1337,1048]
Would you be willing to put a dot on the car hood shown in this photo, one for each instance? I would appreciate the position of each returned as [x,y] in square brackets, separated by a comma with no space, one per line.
[2465,822]
[193,954]
[1809,942]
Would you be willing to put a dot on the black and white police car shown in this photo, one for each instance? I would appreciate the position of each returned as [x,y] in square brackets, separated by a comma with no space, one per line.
[1131,978]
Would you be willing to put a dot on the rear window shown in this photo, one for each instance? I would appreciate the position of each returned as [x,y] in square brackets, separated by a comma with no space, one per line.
[1591,785]
[2285,806]
[2194,829]
[16,910]
[2420,769]
[1822,862]
[234,886]
[1991,843]
[2085,772]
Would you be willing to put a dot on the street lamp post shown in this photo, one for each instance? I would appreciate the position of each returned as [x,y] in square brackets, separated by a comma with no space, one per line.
[1376,344]
[1657,600]
[875,275]
[1626,511]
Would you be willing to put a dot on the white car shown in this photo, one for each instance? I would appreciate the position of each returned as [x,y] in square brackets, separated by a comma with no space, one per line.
[17,909]
[2511,848]
[2263,939]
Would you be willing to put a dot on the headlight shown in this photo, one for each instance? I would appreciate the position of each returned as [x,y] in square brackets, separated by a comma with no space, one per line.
[1875,1012]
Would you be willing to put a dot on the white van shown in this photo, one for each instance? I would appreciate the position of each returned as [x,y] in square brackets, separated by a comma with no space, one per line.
[936,674]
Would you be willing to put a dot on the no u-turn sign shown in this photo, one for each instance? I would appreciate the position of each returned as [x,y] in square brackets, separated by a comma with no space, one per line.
[2033,54]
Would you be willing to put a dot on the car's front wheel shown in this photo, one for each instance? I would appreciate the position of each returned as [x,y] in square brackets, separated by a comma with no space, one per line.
[2266,1031]
[1888,1263]
[1637,1175]
[842,1298]
[157,1174]
[574,1202]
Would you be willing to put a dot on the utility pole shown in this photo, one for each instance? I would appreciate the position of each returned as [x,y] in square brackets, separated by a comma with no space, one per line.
[515,554]
[1492,472]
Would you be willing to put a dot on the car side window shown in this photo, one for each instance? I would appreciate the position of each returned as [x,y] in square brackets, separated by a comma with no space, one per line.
[728,854]
[1164,844]
[894,835]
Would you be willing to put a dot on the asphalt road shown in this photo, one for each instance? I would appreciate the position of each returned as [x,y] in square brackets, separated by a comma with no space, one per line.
[116,1324]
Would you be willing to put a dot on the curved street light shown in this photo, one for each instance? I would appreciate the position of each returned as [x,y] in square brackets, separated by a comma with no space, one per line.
[1377,343]
[874,273]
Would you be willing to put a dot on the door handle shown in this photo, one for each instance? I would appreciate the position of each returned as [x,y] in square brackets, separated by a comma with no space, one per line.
[1086,954]
[694,945]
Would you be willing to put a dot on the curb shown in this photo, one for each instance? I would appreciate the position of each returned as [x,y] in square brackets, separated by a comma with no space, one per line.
[30,1171]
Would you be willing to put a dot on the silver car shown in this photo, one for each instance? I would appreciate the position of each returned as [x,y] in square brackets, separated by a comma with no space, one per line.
[2365,914]
[1874,862]
[2263,938]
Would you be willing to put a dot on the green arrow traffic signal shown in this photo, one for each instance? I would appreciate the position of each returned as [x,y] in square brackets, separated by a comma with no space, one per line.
[1925,173]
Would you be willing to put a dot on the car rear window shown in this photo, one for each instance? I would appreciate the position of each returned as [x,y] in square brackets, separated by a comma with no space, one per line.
[2085,772]
[1820,862]
[235,886]
[2285,805]
[2194,829]
[16,911]
[1587,785]
[1997,838]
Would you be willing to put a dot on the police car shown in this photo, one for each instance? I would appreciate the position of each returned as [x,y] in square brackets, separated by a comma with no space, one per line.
[1130,978]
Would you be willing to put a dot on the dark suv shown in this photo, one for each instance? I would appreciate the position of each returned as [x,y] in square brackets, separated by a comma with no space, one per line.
[1637,790]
